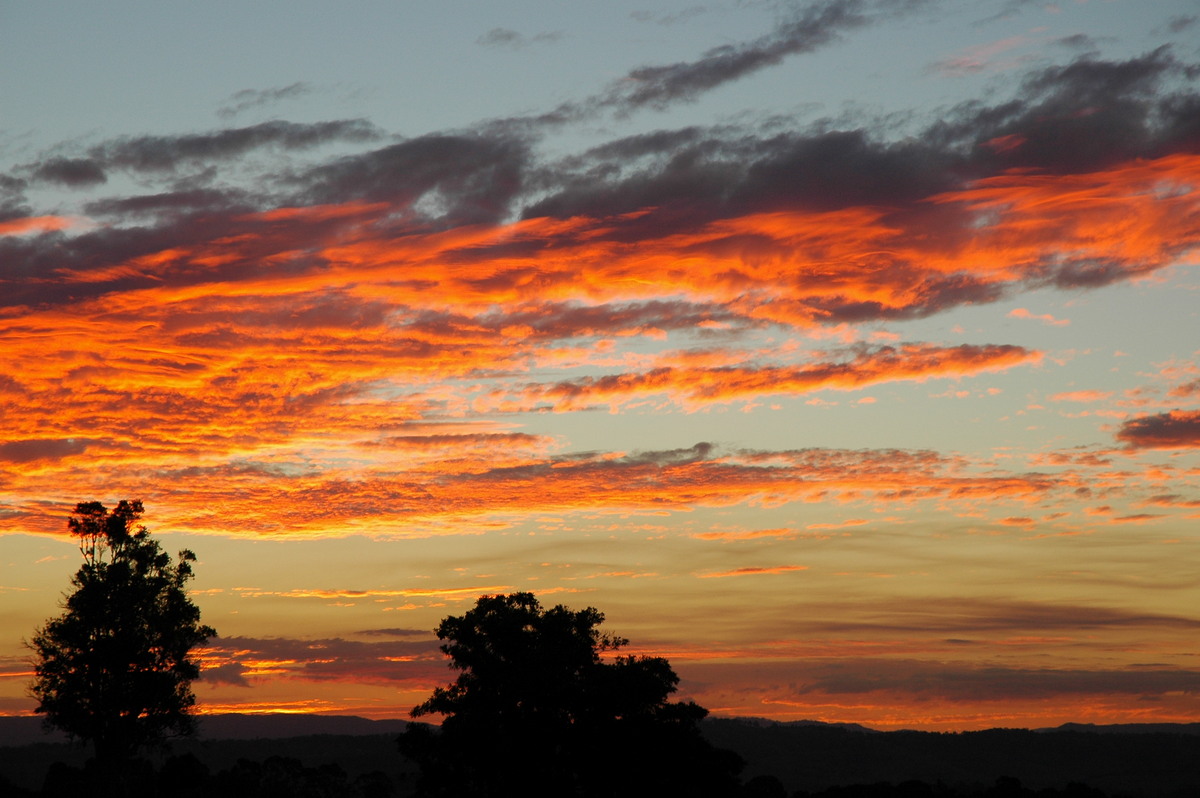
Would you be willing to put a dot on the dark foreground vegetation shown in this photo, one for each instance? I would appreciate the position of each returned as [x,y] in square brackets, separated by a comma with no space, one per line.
[782,761]
[544,705]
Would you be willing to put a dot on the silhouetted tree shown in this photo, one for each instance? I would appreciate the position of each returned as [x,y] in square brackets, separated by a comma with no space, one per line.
[537,711]
[764,786]
[115,668]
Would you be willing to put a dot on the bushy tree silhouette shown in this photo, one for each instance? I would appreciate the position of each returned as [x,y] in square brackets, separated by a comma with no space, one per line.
[116,668]
[537,711]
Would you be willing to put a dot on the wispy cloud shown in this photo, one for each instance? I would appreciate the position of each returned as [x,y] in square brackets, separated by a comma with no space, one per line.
[246,99]
[510,39]
[1022,313]
[766,570]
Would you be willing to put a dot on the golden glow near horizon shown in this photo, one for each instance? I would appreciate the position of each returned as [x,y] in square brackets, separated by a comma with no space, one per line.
[849,425]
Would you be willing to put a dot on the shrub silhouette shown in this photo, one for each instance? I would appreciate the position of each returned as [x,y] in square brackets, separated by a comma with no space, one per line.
[536,711]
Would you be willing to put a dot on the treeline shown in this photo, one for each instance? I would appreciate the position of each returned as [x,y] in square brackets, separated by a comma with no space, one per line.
[1004,787]
[185,776]
[544,705]
[815,757]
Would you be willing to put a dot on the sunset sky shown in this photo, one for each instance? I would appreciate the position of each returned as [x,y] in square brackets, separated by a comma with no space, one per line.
[845,353]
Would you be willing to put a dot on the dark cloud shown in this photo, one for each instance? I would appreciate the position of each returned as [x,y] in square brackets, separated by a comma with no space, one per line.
[12,190]
[12,386]
[256,98]
[569,320]
[693,175]
[462,178]
[32,450]
[396,632]
[1178,429]
[231,673]
[1182,23]
[1084,116]
[975,683]
[975,617]
[1173,500]
[1077,41]
[813,27]
[188,201]
[241,660]
[166,153]
[73,172]
[1087,115]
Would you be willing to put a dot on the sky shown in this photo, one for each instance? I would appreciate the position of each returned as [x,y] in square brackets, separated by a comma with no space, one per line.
[846,353]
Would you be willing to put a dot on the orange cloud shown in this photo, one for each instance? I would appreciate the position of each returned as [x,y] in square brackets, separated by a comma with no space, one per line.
[755,534]
[387,502]
[1081,396]
[312,351]
[842,525]
[754,571]
[917,362]
[1022,313]
[35,224]
[368,594]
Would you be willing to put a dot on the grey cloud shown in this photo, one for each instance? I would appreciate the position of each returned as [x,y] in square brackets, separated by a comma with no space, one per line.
[330,658]
[594,461]
[510,39]
[1174,430]
[464,178]
[1182,23]
[256,98]
[977,617]
[569,320]
[232,674]
[1080,116]
[1077,41]
[1083,116]
[73,172]
[186,201]
[396,632]
[669,19]
[166,153]
[12,196]
[968,683]
[817,25]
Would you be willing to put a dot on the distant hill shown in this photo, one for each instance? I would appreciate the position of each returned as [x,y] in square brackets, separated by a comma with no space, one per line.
[1138,760]
[814,757]
[27,730]
[263,727]
[1130,728]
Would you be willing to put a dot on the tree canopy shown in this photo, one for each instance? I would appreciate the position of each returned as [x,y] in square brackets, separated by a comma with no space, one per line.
[537,710]
[115,668]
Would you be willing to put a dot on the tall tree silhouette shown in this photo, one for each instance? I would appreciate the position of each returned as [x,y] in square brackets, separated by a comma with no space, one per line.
[116,668]
[537,711]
